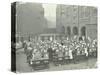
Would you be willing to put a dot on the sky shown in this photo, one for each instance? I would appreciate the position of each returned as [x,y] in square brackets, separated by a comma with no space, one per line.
[50,14]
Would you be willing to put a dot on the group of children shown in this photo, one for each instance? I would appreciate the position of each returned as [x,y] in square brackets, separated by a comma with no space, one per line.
[67,49]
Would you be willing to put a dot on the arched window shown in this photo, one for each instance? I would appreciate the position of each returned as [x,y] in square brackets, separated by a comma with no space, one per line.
[83,31]
[68,31]
[63,30]
[75,31]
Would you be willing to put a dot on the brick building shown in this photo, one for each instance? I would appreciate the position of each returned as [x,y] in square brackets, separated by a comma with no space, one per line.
[76,20]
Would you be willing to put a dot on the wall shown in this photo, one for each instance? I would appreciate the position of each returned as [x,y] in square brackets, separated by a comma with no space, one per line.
[76,16]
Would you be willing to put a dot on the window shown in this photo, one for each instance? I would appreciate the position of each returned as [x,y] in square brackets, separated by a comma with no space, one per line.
[68,31]
[63,30]
[75,31]
[83,31]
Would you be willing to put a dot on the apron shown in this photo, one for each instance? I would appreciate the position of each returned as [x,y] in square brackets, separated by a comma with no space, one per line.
[70,54]
[86,52]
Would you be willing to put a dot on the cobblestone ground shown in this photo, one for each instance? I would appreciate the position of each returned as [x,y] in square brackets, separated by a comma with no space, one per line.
[22,65]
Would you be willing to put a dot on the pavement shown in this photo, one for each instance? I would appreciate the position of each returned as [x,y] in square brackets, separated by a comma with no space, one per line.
[22,66]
